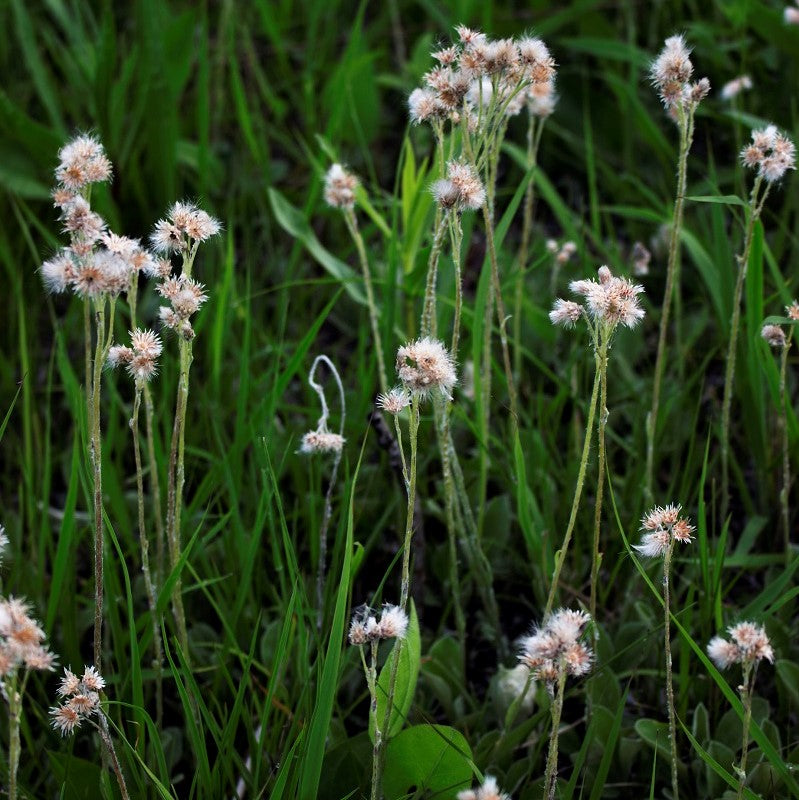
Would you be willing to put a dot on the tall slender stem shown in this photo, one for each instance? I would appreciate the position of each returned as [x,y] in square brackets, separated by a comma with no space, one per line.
[671,272]
[371,679]
[428,327]
[755,206]
[175,489]
[413,435]
[675,789]
[105,735]
[144,543]
[14,700]
[155,484]
[786,463]
[551,775]
[97,458]
[560,556]
[352,225]
[602,369]
[747,685]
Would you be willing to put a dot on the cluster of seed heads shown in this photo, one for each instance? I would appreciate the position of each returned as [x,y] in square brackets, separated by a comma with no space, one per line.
[425,366]
[22,640]
[81,696]
[771,153]
[671,74]
[140,359]
[366,627]
[663,526]
[748,644]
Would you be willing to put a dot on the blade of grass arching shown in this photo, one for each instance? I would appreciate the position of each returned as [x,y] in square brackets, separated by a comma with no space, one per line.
[702,541]
[773,594]
[280,663]
[715,766]
[229,760]
[45,85]
[293,221]
[7,417]
[284,773]
[155,738]
[193,733]
[609,749]
[61,563]
[222,308]
[313,755]
[756,732]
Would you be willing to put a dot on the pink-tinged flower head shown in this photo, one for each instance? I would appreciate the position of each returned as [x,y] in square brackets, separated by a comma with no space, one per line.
[462,189]
[65,719]
[662,526]
[771,153]
[321,442]
[58,272]
[566,313]
[733,88]
[611,299]
[556,646]
[81,162]
[425,365]
[395,401]
[488,790]
[793,311]
[748,644]
[340,187]
[722,652]
[774,335]
[424,104]
[393,623]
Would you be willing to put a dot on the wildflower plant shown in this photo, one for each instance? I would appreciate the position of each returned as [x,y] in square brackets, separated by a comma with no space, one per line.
[81,701]
[664,527]
[367,629]
[748,645]
[180,235]
[552,652]
[771,154]
[22,651]
[322,440]
[780,341]
[608,303]
[140,361]
[671,74]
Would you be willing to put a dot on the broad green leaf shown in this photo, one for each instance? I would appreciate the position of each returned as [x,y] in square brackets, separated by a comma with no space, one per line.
[405,686]
[435,759]
[721,199]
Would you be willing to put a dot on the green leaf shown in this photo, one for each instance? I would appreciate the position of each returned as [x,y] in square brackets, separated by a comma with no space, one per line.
[328,683]
[405,686]
[428,760]
[292,221]
[720,199]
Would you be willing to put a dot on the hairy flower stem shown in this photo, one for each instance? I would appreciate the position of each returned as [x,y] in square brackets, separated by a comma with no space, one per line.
[755,207]
[175,490]
[95,449]
[158,661]
[442,416]
[371,681]
[675,789]
[428,325]
[533,139]
[560,556]
[747,686]
[786,463]
[14,695]
[413,436]
[105,735]
[672,268]
[355,233]
[551,775]
[601,356]
[155,484]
